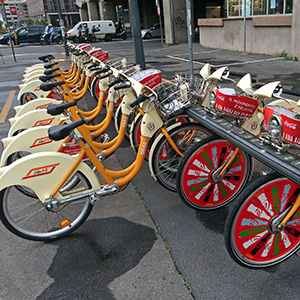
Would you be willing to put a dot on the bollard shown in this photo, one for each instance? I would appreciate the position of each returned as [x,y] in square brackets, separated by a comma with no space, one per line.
[2,57]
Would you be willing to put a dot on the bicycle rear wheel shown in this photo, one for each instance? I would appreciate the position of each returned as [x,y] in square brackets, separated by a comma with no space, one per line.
[164,160]
[251,236]
[198,183]
[30,219]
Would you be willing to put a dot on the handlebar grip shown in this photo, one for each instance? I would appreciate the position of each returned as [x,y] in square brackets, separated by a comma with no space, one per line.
[141,98]
[94,68]
[116,81]
[105,75]
[291,92]
[123,86]
[86,62]
[92,65]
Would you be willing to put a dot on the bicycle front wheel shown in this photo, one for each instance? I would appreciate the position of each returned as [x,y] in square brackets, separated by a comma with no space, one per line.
[251,234]
[30,219]
[199,182]
[164,160]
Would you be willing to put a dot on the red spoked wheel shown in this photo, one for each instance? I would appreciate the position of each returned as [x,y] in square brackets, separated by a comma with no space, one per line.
[253,238]
[198,181]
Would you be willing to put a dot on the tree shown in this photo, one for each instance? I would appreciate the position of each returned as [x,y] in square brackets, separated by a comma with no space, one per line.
[29,22]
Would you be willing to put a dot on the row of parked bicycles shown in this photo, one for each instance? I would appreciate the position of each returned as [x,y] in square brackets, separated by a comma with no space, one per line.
[199,140]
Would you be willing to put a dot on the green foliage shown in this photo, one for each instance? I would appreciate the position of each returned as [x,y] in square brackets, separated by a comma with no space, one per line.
[286,56]
[29,22]
[1,24]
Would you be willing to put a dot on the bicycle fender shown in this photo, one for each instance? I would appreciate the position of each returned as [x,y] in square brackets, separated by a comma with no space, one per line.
[131,130]
[151,122]
[32,87]
[32,119]
[32,140]
[34,105]
[42,172]
[156,141]
[33,68]
[32,76]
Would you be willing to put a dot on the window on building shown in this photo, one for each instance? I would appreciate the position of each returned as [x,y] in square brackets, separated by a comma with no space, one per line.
[62,4]
[259,7]
[50,4]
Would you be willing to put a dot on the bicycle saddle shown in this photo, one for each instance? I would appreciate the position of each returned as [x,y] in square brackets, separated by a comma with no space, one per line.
[59,132]
[46,58]
[46,78]
[49,86]
[50,65]
[57,109]
[50,71]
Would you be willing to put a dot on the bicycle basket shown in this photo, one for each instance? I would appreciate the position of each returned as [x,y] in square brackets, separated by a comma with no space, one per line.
[197,85]
[172,99]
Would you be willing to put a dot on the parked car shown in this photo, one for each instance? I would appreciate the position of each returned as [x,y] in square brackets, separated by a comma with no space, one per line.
[28,34]
[152,31]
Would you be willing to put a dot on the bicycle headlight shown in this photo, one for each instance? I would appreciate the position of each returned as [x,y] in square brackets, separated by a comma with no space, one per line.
[274,127]
[212,99]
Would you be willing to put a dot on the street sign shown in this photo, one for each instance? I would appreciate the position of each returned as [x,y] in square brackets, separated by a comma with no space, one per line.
[13,9]
[1,1]
[20,13]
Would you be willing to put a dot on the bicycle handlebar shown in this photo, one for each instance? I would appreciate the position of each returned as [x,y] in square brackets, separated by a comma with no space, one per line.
[116,81]
[123,86]
[141,98]
[105,75]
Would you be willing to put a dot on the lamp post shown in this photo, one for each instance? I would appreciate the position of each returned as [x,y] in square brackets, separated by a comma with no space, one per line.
[61,24]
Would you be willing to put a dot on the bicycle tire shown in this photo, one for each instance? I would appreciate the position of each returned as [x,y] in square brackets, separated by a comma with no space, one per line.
[29,218]
[249,237]
[164,160]
[26,97]
[197,185]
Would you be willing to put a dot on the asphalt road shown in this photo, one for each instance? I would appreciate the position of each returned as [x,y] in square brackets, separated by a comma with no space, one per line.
[118,255]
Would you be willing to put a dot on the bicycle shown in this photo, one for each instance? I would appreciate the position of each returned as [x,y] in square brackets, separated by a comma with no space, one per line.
[214,171]
[59,208]
[262,228]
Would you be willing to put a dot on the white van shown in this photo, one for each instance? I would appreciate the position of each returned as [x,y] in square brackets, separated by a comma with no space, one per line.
[101,29]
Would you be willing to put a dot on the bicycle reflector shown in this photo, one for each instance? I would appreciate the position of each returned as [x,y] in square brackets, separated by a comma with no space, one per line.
[64,223]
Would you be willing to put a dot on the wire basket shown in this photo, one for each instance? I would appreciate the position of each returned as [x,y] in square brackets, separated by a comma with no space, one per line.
[196,84]
[172,98]
[131,69]
[118,63]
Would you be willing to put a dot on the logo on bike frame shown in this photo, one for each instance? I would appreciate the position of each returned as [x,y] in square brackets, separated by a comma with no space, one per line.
[43,106]
[45,170]
[41,141]
[43,122]
[151,126]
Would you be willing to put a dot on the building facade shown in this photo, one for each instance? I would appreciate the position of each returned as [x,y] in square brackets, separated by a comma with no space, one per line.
[269,26]
[16,12]
[70,12]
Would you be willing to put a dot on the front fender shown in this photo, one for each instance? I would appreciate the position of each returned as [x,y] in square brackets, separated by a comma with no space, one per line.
[32,87]
[32,140]
[35,104]
[34,67]
[42,172]
[34,118]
